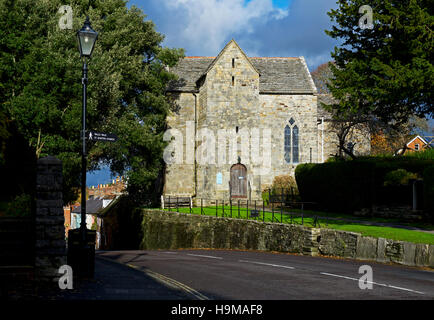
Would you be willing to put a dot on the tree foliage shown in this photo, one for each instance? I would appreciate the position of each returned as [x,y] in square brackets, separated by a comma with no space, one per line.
[321,77]
[388,70]
[41,91]
[393,139]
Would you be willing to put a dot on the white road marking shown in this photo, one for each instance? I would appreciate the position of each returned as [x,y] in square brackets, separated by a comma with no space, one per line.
[199,255]
[378,284]
[169,252]
[267,264]
[172,283]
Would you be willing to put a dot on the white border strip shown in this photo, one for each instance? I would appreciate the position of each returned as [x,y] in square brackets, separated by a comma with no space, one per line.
[267,264]
[378,284]
[203,256]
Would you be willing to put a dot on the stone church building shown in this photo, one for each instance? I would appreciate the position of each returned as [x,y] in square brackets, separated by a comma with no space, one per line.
[268,104]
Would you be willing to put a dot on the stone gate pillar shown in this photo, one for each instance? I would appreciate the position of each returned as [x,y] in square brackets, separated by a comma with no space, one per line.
[50,251]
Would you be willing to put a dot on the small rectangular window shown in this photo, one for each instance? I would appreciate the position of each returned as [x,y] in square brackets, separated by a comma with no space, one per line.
[233,63]
[233,80]
[416,147]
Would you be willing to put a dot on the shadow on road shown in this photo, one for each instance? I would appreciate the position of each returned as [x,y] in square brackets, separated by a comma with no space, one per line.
[112,281]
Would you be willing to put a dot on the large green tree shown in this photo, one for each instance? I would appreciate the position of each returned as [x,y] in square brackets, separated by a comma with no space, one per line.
[386,71]
[40,86]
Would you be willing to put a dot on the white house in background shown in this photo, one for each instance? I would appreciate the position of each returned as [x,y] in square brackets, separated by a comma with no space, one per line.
[93,206]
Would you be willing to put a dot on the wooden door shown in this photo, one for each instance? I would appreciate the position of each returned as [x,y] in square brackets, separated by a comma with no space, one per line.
[238,181]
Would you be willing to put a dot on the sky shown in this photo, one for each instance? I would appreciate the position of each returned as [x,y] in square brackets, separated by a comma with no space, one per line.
[262,28]
[266,28]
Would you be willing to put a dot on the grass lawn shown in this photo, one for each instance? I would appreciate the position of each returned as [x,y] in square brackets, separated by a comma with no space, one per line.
[366,230]
[422,225]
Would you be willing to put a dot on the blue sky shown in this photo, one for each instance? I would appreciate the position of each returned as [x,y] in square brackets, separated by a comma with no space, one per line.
[269,28]
[266,28]
[281,28]
[283,4]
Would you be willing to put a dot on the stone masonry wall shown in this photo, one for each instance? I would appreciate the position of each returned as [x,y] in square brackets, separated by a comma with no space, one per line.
[50,253]
[171,230]
[167,230]
[179,178]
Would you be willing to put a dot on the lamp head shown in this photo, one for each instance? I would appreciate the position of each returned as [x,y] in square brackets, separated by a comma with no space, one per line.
[86,39]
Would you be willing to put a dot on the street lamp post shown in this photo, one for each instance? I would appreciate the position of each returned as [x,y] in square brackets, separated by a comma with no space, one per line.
[86,41]
[81,252]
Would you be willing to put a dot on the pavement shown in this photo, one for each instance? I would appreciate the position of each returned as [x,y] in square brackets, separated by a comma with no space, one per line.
[112,281]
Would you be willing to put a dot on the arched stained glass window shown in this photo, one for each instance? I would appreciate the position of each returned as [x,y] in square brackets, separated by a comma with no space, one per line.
[291,142]
[295,144]
[287,144]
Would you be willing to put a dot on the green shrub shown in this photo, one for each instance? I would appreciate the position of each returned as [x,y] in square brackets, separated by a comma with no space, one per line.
[21,206]
[428,191]
[334,159]
[285,182]
[265,197]
[427,154]
[398,177]
[335,186]
[346,186]
[94,224]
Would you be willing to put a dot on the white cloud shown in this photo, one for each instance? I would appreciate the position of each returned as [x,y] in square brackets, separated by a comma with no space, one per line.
[209,23]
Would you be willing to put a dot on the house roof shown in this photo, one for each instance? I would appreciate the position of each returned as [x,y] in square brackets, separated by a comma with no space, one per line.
[92,206]
[429,140]
[285,75]
[417,137]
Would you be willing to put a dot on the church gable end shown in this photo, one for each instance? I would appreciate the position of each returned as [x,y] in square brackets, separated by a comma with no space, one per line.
[230,70]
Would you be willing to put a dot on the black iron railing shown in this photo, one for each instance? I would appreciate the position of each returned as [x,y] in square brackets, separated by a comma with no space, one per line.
[260,210]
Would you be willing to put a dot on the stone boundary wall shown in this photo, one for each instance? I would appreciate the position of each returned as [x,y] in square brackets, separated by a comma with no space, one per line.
[171,230]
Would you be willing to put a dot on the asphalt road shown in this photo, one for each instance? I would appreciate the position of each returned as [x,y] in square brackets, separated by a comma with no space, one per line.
[246,275]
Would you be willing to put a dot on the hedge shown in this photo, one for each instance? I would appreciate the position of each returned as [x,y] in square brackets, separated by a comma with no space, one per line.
[335,186]
[346,186]
[428,190]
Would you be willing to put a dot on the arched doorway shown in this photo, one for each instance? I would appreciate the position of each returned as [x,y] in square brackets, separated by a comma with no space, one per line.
[238,181]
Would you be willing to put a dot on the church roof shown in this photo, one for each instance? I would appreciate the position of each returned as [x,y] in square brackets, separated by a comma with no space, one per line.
[277,75]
